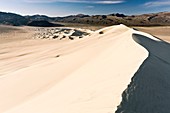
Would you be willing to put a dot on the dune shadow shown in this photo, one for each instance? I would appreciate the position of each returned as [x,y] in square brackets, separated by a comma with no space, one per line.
[160,49]
[149,90]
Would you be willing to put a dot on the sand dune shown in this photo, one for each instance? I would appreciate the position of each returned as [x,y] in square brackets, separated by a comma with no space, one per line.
[87,75]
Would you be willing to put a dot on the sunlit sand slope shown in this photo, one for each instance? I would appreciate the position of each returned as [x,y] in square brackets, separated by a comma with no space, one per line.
[88,75]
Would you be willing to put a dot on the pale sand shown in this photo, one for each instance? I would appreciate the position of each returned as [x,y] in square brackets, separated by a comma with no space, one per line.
[82,76]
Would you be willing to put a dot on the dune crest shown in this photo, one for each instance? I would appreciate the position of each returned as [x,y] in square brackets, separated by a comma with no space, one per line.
[87,75]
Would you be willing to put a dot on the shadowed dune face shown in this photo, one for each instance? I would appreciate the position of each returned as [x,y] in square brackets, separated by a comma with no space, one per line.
[149,90]
[156,47]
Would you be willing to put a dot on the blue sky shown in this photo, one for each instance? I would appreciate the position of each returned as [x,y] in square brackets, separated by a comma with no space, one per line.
[91,7]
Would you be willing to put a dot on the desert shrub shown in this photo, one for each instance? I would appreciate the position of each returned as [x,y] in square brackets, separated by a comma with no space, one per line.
[104,16]
[101,32]
[54,37]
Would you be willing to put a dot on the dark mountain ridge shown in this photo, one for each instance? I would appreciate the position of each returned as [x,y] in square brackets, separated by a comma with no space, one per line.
[43,23]
[152,19]
[12,19]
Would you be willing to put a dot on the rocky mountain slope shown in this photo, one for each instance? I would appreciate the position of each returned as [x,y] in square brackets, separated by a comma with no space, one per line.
[153,19]
[12,19]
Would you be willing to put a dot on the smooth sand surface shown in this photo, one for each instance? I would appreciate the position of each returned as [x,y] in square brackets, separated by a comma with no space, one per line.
[87,75]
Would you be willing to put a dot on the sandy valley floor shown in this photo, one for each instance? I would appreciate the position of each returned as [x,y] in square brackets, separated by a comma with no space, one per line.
[160,32]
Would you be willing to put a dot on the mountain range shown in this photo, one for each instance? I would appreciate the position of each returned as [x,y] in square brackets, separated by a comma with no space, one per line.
[152,19]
